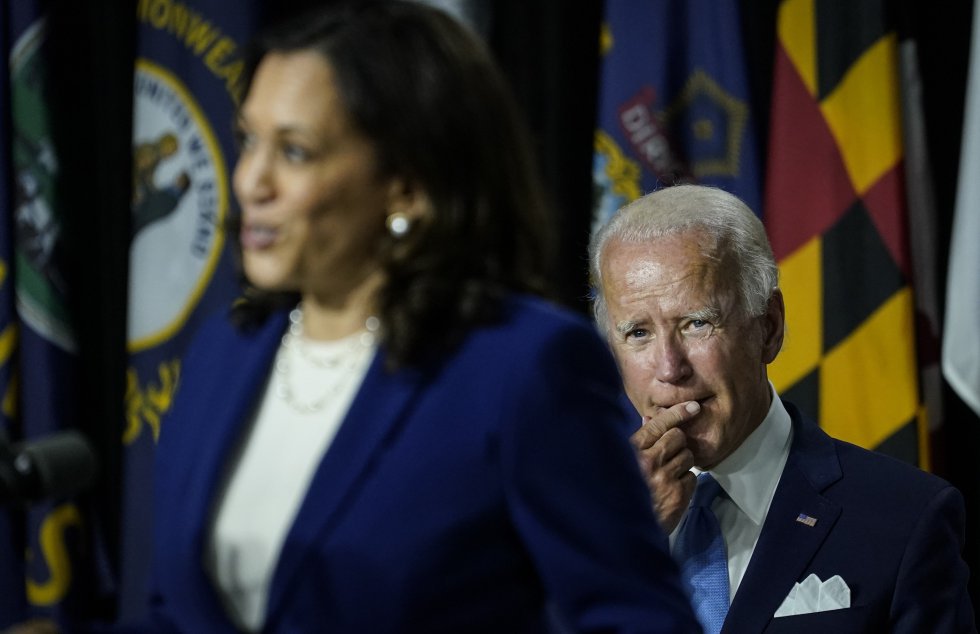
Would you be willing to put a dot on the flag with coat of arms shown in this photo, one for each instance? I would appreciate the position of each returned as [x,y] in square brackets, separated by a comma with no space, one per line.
[189,78]
[47,549]
[673,102]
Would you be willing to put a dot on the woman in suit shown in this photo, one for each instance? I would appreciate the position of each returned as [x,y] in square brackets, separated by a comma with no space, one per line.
[393,432]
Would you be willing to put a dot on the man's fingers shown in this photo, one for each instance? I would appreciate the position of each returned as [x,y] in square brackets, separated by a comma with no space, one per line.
[671,497]
[680,463]
[689,482]
[672,416]
[673,442]
[668,468]
[654,427]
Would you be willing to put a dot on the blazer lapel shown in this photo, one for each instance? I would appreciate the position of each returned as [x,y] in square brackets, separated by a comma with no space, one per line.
[375,413]
[244,370]
[211,428]
[798,522]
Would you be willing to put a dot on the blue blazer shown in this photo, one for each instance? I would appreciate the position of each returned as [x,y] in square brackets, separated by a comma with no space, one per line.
[464,497]
[892,532]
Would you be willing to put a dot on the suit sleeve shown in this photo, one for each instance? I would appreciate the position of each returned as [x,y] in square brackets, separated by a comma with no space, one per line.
[931,589]
[577,498]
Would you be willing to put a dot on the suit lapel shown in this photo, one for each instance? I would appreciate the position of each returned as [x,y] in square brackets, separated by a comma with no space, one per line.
[786,545]
[244,370]
[212,426]
[374,414]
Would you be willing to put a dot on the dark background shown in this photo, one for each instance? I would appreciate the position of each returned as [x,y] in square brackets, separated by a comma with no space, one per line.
[548,49]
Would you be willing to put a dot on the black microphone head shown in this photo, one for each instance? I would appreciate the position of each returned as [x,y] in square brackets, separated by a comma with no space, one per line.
[57,465]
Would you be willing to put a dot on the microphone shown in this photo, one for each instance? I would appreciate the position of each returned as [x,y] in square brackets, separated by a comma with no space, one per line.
[51,466]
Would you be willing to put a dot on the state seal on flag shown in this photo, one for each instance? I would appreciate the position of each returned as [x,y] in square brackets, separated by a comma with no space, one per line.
[615,179]
[41,280]
[180,197]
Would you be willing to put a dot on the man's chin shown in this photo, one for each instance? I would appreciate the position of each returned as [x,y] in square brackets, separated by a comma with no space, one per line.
[705,455]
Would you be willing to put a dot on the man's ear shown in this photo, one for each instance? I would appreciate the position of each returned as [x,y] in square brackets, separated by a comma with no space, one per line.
[774,327]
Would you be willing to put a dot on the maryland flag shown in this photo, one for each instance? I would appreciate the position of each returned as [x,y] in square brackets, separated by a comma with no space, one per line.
[836,216]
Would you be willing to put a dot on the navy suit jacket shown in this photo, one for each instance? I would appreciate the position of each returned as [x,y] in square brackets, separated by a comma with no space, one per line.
[464,497]
[892,532]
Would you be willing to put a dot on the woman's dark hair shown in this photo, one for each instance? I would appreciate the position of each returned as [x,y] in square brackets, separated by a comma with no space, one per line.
[426,92]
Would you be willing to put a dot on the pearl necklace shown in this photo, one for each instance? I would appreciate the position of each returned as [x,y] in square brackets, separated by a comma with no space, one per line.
[340,365]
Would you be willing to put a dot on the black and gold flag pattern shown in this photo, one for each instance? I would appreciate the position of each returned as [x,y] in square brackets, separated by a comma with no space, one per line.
[837,218]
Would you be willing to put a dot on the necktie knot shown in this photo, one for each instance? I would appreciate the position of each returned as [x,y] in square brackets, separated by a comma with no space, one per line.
[707,490]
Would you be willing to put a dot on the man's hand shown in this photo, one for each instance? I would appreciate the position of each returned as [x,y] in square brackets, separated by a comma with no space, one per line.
[666,461]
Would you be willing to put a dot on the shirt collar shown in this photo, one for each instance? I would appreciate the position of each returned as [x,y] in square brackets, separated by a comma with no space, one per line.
[750,474]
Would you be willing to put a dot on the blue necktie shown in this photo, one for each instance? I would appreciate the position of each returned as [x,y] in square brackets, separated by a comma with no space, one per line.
[700,551]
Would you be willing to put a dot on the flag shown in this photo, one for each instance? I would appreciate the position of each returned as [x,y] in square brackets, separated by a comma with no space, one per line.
[189,77]
[961,346]
[923,238]
[673,102]
[13,601]
[835,210]
[38,347]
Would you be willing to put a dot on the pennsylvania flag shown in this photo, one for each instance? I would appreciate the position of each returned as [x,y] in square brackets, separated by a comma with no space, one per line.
[45,548]
[673,102]
[837,218]
[188,80]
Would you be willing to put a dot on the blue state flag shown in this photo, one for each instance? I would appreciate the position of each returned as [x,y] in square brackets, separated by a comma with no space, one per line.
[12,598]
[189,78]
[673,102]
[52,541]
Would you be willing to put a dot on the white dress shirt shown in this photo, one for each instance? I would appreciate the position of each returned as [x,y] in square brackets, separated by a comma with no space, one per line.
[749,477]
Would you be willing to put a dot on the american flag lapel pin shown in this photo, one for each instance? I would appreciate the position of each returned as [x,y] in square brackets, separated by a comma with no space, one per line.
[806,519]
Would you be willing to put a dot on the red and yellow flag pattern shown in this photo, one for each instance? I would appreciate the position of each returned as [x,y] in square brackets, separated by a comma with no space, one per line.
[837,218]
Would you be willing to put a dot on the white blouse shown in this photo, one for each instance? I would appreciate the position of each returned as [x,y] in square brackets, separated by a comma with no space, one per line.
[305,401]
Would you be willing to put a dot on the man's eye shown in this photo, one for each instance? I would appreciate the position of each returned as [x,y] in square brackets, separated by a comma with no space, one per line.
[698,328]
[637,333]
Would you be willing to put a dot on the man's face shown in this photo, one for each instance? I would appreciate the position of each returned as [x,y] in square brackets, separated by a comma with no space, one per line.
[679,334]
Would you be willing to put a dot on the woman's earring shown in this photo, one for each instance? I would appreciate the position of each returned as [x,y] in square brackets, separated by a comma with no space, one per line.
[398,224]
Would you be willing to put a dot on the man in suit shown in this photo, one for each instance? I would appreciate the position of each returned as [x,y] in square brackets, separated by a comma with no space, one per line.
[688,297]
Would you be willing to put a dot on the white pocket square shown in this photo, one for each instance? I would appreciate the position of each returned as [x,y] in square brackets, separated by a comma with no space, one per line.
[813,595]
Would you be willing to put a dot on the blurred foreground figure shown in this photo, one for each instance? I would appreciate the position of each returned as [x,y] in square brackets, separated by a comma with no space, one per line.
[393,432]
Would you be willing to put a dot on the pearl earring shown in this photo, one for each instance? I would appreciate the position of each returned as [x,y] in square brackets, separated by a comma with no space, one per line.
[398,224]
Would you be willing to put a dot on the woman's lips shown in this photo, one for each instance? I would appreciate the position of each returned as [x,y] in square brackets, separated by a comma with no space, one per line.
[257,236]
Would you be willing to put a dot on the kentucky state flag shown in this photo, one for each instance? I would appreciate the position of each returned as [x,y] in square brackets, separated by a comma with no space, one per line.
[837,218]
[188,80]
[45,547]
[673,102]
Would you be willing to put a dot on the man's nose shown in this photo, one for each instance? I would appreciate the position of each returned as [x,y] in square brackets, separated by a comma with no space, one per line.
[671,361]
